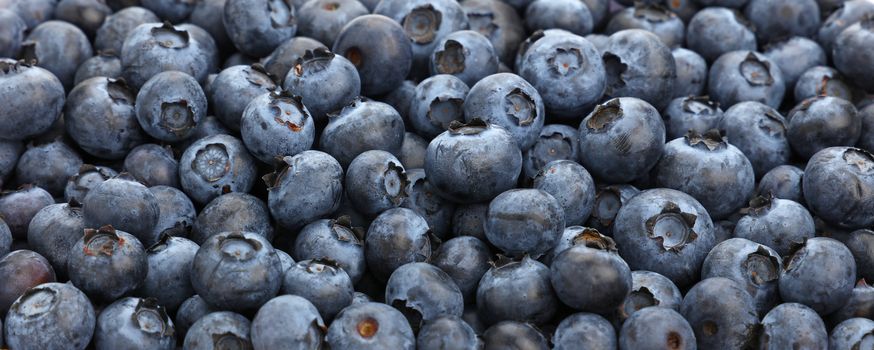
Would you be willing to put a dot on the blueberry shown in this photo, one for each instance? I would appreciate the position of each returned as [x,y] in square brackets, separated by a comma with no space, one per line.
[115,27]
[850,12]
[836,186]
[775,19]
[88,177]
[103,64]
[11,34]
[621,139]
[285,56]
[508,101]
[524,222]
[557,142]
[516,290]
[498,22]
[322,283]
[649,289]
[420,197]
[323,19]
[436,102]
[125,204]
[639,65]
[465,54]
[447,332]
[754,267]
[652,18]
[35,112]
[569,237]
[169,106]
[95,105]
[168,278]
[820,274]
[608,201]
[691,73]
[10,151]
[468,220]
[794,56]
[50,316]
[19,207]
[570,15]
[783,182]
[821,122]
[861,244]
[207,14]
[664,231]
[370,326]
[130,321]
[860,304]
[602,285]
[59,47]
[375,182]
[307,78]
[513,335]
[760,132]
[775,223]
[721,313]
[219,330]
[152,48]
[307,187]
[396,237]
[234,88]
[465,260]
[401,98]
[855,332]
[473,162]
[657,328]
[257,27]
[379,48]
[232,212]
[362,125]
[567,71]
[586,330]
[169,10]
[691,113]
[793,325]
[48,166]
[572,187]
[696,164]
[714,31]
[191,310]
[107,263]
[333,240]
[88,15]
[153,165]
[216,165]
[22,270]
[287,322]
[277,124]
[423,292]
[741,76]
[53,232]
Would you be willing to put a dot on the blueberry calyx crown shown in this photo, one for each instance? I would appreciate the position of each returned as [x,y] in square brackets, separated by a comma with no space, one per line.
[605,114]
[796,251]
[712,139]
[236,245]
[230,340]
[322,264]
[318,59]
[700,105]
[756,72]
[10,66]
[285,96]
[168,36]
[401,187]
[475,126]
[860,159]
[592,238]
[119,91]
[672,228]
[147,313]
[761,266]
[652,12]
[28,53]
[101,241]
[450,59]
[759,205]
[345,232]
[521,106]
[422,23]
[255,79]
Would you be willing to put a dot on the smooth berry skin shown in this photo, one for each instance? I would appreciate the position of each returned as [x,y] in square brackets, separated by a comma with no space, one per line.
[783,182]
[691,113]
[520,229]
[232,212]
[691,73]
[396,237]
[53,232]
[134,321]
[639,65]
[125,204]
[170,105]
[723,322]
[307,77]
[169,275]
[775,19]
[12,33]
[447,332]
[556,142]
[59,47]
[115,28]
[656,19]
[740,76]
[819,274]
[513,334]
[55,328]
[285,56]
[465,259]
[191,310]
[657,328]
[275,125]
[219,327]
[825,186]
[19,120]
[600,288]
[375,182]
[499,22]
[821,122]
[102,64]
[465,54]
[335,240]
[422,199]
[152,48]
[362,125]
[760,132]
[794,56]
[370,325]
[508,101]
[436,102]
[96,103]
[23,270]
[589,330]
[756,268]
[257,27]
[324,19]
[517,291]
[776,223]
[301,325]
[234,88]
[107,263]
[48,166]
[153,165]
[17,208]
[791,325]
[854,332]
[326,286]
[308,187]
[714,31]
[368,42]
[216,165]
[649,289]
[423,293]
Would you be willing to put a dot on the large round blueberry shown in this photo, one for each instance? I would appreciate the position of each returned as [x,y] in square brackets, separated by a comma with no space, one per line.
[218,330]
[722,314]
[465,54]
[652,18]
[169,275]
[50,316]
[53,232]
[601,286]
[115,28]
[437,102]
[333,240]
[524,222]
[256,27]
[775,19]
[322,283]
[794,56]
[508,101]
[17,208]
[379,48]
[465,260]
[59,47]
[134,321]
[288,322]
[169,106]
[855,332]
[584,329]
[517,290]
[691,72]
[376,181]
[639,65]
[216,165]
[822,80]
[849,13]
[783,182]
[556,142]
[754,267]
[608,201]
[396,237]
[22,270]
[421,198]
[687,113]
[741,76]
[793,325]
[714,31]
[324,19]
[838,184]
[277,124]
[307,187]
[153,165]
[235,211]
[34,112]
[657,328]
[760,132]
[12,29]
[447,332]
[423,292]
[362,125]
[776,223]
[370,326]
[820,274]
[152,48]
[821,122]
[92,107]
[125,204]
[107,263]
[309,74]
[48,165]
[234,88]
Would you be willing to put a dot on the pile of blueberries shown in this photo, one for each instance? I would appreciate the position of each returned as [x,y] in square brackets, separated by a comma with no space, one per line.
[436,174]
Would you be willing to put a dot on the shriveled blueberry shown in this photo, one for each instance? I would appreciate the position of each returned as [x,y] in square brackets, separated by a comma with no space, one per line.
[236,271]
[465,259]
[48,166]
[152,48]
[657,328]
[691,72]
[465,54]
[664,231]
[103,64]
[783,182]
[420,197]
[285,56]
[308,76]
[125,204]
[19,207]
[447,332]
[697,113]
[602,285]
[490,156]
[107,263]
[741,76]
[837,186]
[775,223]
[821,122]
[860,304]
[703,166]
[12,28]
[639,65]
[775,19]
[760,132]
[794,56]
[651,17]
[586,331]
[257,27]
[324,19]
[517,290]
[333,240]
[369,42]
[524,222]
[59,47]
[621,139]
[608,201]
[573,16]
[370,326]
[396,237]
[50,316]
[513,335]
[216,165]
[753,266]
[508,101]
[423,292]
[567,71]
[115,28]
[855,332]
[219,330]
[361,126]
[820,274]
[130,321]
[499,22]
[168,278]
[53,232]
[322,283]
[436,102]
[22,270]
[100,117]
[36,112]
[152,165]
[306,187]
[234,88]
[721,313]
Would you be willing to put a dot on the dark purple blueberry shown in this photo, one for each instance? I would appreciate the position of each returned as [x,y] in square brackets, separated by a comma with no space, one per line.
[50,316]
[396,237]
[333,240]
[465,54]
[413,151]
[820,274]
[116,27]
[760,132]
[687,113]
[469,220]
[508,101]
[722,314]
[324,19]
[59,47]
[370,326]
[234,88]
[849,47]
[169,10]
[821,122]
[53,232]
[656,328]
[168,278]
[362,125]
[370,42]
[216,165]
[129,321]
[219,330]
[19,207]
[838,186]
[308,76]
[191,310]
[36,112]
[153,165]
[648,289]
[10,151]
[524,222]
[860,304]
[776,223]
[516,290]
[277,124]
[590,331]
[783,182]
[639,65]
[48,166]
[170,105]
[861,244]
[257,27]
[742,76]
[288,322]
[652,17]
[556,142]
[100,118]
[514,335]
[421,198]
[436,103]
[125,204]
[691,72]
[207,14]
[88,15]
[465,259]
[153,48]
[107,263]
[22,270]
[849,13]
[103,64]
[232,212]
[322,283]
[664,231]
[753,266]
[600,287]
[5,238]
[447,332]
[305,188]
